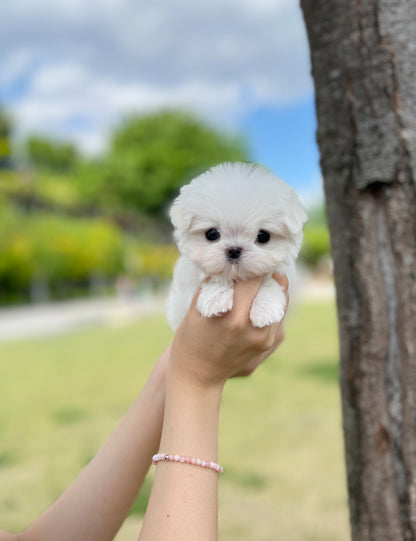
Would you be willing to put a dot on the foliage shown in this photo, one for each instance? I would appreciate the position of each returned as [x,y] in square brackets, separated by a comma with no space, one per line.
[52,155]
[5,132]
[47,189]
[63,252]
[5,124]
[150,260]
[149,159]
[152,156]
[54,249]
[67,219]
[316,242]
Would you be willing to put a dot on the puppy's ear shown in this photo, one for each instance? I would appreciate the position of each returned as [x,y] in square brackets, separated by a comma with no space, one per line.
[180,218]
[295,216]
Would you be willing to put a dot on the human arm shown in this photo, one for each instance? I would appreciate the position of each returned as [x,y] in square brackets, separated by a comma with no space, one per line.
[97,502]
[4,536]
[205,353]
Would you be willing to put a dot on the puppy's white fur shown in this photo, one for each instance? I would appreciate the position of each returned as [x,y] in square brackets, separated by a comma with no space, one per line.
[238,200]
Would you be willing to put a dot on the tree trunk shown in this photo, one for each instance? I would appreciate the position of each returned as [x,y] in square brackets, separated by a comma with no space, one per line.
[364,67]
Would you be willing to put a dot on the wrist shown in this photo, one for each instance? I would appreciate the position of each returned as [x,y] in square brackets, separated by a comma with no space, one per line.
[194,372]
[194,385]
[191,417]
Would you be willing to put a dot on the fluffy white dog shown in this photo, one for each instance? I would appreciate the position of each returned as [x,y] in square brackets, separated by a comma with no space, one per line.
[234,222]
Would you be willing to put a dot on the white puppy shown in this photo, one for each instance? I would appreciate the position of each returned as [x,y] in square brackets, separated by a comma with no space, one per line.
[234,222]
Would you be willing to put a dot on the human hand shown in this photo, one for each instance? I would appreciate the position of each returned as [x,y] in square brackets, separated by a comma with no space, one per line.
[257,361]
[208,351]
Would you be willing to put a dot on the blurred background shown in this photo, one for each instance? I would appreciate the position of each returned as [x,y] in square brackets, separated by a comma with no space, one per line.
[106,108]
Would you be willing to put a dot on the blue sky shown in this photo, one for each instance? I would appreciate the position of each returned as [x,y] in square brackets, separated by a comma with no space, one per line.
[70,69]
[283,139]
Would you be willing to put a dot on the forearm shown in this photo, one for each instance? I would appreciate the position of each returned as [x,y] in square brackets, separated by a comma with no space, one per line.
[183,503]
[97,502]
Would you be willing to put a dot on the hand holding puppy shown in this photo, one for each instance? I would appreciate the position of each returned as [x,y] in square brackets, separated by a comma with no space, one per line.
[208,351]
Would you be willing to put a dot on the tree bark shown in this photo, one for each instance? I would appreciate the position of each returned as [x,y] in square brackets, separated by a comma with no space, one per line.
[364,67]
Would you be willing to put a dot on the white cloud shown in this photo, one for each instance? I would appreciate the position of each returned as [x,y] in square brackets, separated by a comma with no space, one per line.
[16,63]
[59,79]
[94,60]
[61,93]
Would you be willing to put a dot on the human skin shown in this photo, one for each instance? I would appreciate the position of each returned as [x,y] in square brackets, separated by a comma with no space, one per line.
[206,352]
[182,395]
[95,505]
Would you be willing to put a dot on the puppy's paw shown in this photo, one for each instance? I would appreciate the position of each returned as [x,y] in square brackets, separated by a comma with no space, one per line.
[215,298]
[269,305]
[265,315]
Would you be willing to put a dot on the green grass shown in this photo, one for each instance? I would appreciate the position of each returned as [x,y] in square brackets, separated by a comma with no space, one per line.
[280,435]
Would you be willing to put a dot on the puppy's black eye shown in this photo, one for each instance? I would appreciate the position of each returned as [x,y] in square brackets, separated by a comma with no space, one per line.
[263,236]
[212,234]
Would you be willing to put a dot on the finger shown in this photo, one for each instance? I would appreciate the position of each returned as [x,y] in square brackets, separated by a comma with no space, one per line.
[278,339]
[282,280]
[274,338]
[196,296]
[193,309]
[244,294]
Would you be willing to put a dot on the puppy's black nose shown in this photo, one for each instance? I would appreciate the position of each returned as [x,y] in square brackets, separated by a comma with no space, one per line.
[234,252]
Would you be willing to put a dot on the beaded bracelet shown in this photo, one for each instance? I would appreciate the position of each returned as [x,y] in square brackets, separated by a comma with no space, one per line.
[160,457]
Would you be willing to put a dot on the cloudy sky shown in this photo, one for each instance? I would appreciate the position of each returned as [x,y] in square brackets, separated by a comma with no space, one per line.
[72,68]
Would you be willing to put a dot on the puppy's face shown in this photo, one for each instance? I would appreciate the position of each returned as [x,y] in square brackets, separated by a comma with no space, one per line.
[239,222]
[236,251]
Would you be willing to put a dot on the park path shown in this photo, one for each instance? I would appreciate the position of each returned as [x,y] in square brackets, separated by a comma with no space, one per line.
[38,320]
[17,323]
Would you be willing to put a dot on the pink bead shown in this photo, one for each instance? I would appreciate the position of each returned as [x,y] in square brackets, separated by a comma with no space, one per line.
[208,464]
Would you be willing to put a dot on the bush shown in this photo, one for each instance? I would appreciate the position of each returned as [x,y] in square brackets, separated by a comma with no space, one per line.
[66,253]
[51,155]
[316,244]
[55,249]
[151,261]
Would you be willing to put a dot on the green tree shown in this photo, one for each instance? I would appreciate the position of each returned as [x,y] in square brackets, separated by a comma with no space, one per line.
[5,132]
[51,155]
[152,156]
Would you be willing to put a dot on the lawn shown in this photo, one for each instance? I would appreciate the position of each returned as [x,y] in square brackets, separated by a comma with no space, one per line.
[280,436]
